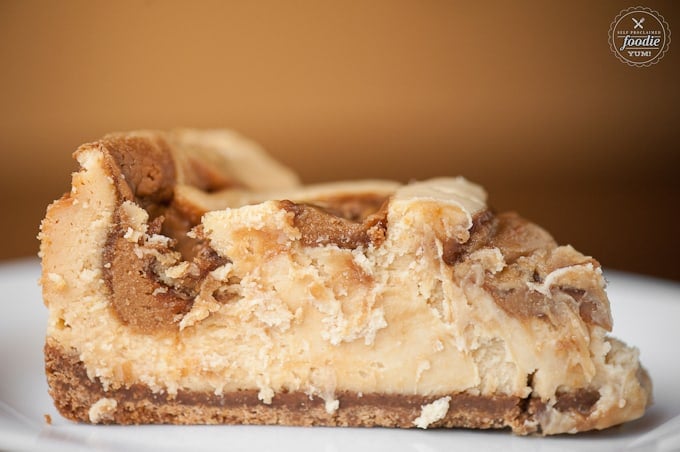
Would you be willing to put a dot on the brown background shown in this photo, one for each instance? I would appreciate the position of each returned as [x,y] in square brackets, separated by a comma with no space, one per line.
[523,97]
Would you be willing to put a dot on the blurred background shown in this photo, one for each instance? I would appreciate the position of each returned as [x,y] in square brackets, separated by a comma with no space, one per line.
[525,98]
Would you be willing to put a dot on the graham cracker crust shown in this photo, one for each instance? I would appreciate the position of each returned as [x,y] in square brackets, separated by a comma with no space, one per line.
[74,395]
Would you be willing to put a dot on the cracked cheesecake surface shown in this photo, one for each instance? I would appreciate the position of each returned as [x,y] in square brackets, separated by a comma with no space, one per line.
[192,279]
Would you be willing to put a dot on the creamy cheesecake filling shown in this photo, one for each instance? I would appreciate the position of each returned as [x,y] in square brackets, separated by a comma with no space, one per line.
[314,292]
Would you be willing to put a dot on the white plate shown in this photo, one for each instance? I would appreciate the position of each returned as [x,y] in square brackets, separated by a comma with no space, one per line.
[646,313]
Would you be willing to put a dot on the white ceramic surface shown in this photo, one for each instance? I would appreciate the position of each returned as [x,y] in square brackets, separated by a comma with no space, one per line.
[646,313]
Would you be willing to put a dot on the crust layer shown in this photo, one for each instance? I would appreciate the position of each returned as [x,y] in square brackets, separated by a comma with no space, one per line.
[75,396]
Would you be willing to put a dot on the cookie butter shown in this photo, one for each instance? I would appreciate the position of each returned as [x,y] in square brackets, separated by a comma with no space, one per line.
[190,269]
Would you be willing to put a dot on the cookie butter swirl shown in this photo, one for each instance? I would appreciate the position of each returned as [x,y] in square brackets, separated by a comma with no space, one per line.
[146,244]
[146,176]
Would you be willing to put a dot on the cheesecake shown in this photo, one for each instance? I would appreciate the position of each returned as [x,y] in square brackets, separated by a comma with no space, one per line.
[192,279]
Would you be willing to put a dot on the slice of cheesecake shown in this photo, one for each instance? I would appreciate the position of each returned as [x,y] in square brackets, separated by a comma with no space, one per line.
[191,279]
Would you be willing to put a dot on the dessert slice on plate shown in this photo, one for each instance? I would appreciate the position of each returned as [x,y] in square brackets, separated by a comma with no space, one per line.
[191,279]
